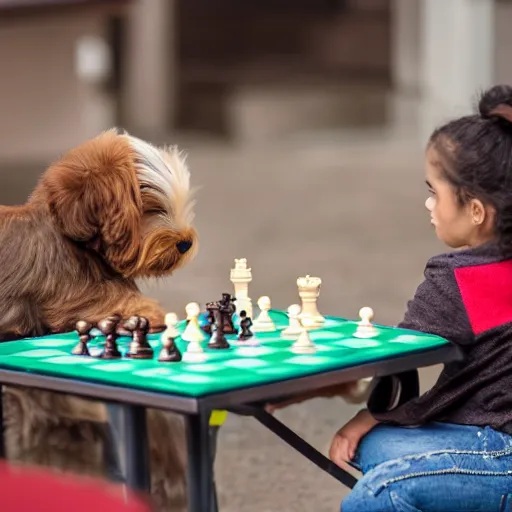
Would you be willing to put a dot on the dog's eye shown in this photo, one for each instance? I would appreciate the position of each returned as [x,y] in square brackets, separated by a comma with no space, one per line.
[157,211]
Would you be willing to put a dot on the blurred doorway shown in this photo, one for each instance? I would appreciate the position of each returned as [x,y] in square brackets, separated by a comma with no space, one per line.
[229,45]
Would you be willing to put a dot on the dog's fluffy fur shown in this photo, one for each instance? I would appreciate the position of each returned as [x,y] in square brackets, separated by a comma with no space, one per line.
[108,212]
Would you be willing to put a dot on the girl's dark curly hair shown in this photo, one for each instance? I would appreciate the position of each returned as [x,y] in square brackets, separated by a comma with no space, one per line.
[475,156]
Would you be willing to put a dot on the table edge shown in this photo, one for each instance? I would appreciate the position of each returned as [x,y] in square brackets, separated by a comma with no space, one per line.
[223,400]
[296,386]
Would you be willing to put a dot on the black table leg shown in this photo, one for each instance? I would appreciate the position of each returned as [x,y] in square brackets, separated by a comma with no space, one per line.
[296,442]
[200,466]
[129,459]
[214,433]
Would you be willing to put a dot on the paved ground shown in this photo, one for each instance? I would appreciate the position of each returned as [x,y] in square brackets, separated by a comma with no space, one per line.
[349,211]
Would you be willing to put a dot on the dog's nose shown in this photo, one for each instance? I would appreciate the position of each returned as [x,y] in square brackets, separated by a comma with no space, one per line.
[183,246]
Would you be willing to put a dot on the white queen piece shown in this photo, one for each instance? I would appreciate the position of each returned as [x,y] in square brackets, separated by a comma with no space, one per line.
[309,291]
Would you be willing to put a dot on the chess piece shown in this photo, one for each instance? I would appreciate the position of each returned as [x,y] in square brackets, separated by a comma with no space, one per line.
[194,353]
[294,326]
[207,327]
[84,331]
[241,276]
[194,335]
[218,339]
[309,291]
[304,345]
[227,309]
[139,347]
[264,323]
[192,331]
[120,330]
[169,352]
[108,326]
[245,332]
[365,328]
[171,322]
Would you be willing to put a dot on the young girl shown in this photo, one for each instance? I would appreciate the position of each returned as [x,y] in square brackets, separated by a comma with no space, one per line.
[450,449]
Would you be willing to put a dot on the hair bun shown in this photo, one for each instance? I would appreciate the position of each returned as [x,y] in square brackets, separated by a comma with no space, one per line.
[497,102]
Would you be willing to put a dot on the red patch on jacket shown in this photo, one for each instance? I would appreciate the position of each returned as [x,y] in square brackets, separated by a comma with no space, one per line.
[486,292]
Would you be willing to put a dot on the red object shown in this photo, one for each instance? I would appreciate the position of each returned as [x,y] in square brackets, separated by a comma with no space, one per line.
[486,292]
[27,489]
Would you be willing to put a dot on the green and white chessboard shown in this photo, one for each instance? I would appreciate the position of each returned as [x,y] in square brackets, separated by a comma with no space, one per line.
[223,370]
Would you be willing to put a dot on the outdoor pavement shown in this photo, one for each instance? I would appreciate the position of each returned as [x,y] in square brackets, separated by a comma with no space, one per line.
[347,209]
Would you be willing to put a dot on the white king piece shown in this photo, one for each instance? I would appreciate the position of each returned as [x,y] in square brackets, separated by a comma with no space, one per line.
[241,276]
[309,290]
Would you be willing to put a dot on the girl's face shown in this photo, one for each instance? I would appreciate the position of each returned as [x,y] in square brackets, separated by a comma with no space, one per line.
[456,225]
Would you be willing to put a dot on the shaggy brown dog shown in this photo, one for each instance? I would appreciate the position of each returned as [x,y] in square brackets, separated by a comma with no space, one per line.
[112,210]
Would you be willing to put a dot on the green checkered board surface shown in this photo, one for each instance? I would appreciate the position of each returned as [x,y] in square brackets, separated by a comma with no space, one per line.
[224,370]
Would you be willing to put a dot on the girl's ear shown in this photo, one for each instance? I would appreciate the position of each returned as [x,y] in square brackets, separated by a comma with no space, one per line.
[478,212]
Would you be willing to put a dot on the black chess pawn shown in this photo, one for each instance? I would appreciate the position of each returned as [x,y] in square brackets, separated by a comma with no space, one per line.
[227,309]
[169,352]
[129,327]
[245,332]
[121,329]
[218,339]
[108,326]
[139,348]
[84,331]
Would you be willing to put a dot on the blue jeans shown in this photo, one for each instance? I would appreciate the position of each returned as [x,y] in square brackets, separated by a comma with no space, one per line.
[438,467]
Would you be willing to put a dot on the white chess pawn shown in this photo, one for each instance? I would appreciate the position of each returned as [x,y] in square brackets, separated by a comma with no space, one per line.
[294,326]
[193,330]
[194,353]
[171,321]
[304,344]
[365,328]
[263,323]
[194,335]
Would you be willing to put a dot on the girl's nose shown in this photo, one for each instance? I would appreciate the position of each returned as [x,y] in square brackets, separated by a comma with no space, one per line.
[429,203]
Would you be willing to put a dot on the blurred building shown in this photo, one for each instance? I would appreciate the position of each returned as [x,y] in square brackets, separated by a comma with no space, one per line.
[249,70]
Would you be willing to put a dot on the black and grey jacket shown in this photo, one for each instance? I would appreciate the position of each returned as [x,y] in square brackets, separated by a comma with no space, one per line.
[466,297]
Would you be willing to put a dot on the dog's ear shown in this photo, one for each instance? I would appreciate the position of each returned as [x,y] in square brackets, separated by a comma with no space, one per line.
[94,196]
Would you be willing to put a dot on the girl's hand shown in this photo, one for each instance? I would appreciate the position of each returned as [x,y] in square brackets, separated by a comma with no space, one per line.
[345,442]
[343,449]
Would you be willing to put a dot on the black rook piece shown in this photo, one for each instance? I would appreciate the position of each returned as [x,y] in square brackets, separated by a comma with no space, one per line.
[218,339]
[227,309]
